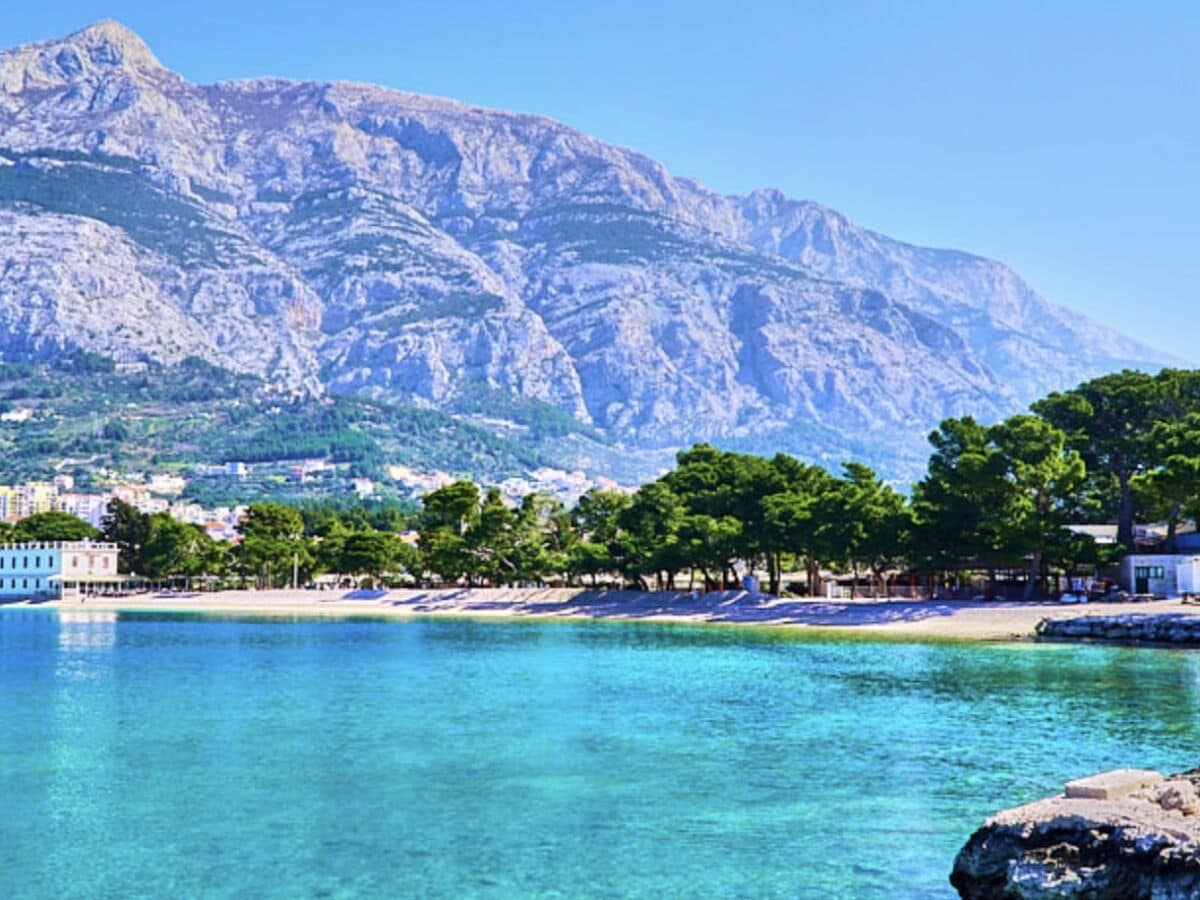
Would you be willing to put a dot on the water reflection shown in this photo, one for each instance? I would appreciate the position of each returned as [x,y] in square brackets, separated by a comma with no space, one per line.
[86,641]
[90,630]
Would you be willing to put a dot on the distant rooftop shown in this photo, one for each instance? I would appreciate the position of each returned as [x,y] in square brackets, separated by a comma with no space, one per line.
[60,545]
[1101,534]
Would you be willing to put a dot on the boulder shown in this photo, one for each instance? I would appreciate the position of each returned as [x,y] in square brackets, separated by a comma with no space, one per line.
[1180,794]
[1140,840]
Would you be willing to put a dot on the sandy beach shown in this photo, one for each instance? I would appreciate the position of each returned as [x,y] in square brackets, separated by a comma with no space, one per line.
[929,619]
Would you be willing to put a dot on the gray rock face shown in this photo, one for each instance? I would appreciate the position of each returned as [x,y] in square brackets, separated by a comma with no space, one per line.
[1140,846]
[350,238]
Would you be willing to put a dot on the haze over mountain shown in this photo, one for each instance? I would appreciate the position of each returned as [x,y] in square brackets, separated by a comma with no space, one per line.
[349,238]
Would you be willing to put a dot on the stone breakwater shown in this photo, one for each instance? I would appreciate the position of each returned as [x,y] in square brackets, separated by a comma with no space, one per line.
[1121,835]
[1172,628]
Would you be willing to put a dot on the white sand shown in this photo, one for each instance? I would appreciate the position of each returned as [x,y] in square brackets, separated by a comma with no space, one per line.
[913,619]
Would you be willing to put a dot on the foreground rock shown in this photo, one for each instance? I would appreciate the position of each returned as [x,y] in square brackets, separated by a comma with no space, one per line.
[1118,836]
[1173,628]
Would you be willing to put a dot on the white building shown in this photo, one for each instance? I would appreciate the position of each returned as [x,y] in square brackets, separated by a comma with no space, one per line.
[166,483]
[189,512]
[89,507]
[1161,574]
[48,570]
[139,497]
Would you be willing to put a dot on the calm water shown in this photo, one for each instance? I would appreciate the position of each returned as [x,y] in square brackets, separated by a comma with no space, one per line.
[164,756]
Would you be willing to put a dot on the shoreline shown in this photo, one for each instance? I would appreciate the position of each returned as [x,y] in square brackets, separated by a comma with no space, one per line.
[896,619]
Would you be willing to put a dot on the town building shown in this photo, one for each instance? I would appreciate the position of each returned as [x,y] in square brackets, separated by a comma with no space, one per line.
[22,414]
[49,570]
[1161,574]
[91,508]
[229,469]
[35,497]
[167,483]
[139,497]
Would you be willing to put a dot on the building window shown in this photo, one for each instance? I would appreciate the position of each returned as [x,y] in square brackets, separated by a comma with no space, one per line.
[74,562]
[37,562]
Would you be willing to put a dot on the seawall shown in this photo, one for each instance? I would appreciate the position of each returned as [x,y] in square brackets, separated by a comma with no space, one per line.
[1181,628]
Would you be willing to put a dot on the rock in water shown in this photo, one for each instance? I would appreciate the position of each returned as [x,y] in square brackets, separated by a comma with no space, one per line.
[1141,844]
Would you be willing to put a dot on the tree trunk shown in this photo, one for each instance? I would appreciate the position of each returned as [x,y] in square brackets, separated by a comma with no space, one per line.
[1125,513]
[1035,568]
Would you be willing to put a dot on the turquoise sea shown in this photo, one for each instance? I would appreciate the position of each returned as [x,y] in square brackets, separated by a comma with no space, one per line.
[177,756]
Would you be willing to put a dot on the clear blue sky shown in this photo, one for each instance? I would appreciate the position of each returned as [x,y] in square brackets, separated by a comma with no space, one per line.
[1060,137]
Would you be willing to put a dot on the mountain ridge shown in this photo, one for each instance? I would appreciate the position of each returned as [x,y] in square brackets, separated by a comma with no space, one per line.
[351,238]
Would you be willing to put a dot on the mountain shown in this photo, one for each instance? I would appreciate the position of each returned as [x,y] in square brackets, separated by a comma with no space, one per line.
[350,239]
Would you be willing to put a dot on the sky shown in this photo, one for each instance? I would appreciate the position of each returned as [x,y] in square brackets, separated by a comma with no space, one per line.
[1062,138]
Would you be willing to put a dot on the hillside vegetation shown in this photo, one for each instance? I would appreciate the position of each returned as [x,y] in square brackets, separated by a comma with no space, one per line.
[81,413]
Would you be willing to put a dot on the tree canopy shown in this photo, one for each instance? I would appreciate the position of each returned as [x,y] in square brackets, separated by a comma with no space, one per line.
[53,526]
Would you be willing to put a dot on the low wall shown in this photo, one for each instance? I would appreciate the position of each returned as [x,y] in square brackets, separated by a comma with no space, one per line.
[1173,628]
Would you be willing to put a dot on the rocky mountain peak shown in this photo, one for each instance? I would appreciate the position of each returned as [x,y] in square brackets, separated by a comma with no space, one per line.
[423,250]
[110,43]
[92,53]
